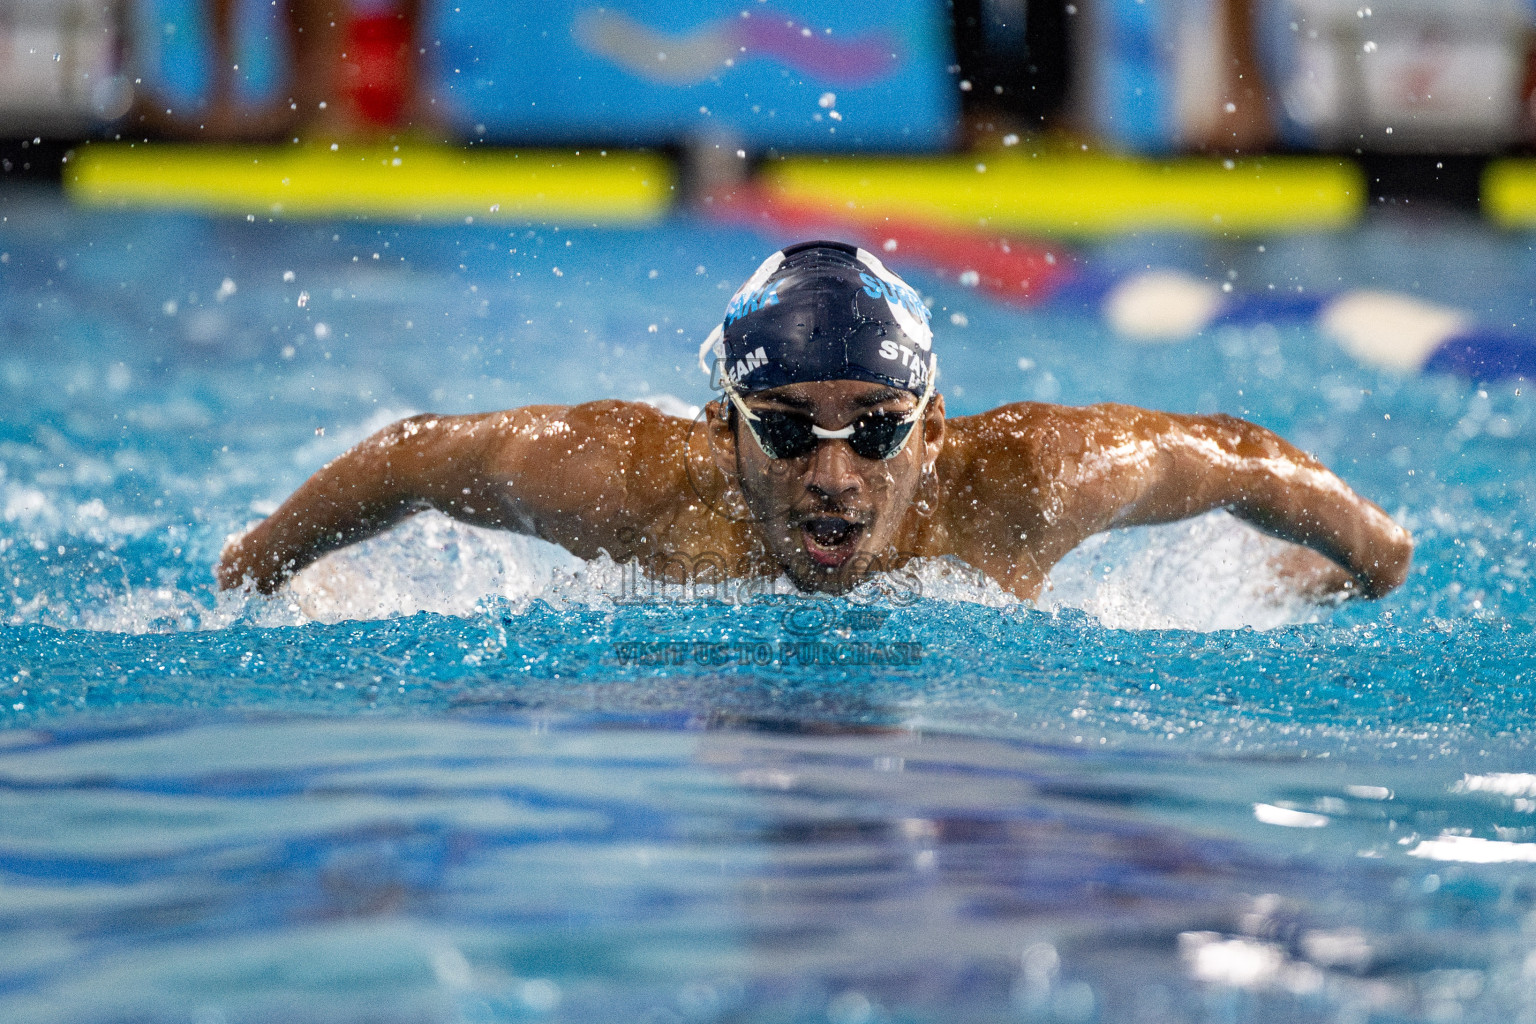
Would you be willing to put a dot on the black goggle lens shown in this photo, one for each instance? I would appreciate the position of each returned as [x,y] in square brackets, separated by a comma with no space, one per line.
[787,435]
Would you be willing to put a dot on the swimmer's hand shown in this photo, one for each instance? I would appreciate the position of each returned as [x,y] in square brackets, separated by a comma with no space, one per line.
[1309,575]
[239,566]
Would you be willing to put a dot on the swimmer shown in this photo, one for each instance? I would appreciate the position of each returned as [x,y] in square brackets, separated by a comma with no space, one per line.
[829,457]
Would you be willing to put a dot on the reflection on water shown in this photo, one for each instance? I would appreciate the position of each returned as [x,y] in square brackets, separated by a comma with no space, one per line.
[561,868]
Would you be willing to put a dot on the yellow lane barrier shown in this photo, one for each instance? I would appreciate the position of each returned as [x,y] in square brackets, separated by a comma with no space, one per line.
[1509,193]
[1083,194]
[383,182]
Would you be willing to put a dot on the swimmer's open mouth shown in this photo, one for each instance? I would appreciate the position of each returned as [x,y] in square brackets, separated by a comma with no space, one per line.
[830,540]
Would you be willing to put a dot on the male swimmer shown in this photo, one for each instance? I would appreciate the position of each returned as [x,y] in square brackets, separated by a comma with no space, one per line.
[827,458]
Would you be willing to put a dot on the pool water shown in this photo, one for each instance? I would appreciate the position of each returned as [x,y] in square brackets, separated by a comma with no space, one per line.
[452,775]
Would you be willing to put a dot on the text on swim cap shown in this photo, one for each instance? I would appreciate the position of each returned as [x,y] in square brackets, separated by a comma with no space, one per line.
[917,368]
[751,302]
[751,362]
[895,291]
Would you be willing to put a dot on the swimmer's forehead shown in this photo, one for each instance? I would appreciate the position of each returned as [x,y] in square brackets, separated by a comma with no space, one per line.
[815,394]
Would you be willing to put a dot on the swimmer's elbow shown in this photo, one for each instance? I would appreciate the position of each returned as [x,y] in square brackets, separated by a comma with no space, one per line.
[418,428]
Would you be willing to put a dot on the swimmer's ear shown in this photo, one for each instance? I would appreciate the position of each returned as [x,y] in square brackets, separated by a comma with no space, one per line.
[933,432]
[722,439]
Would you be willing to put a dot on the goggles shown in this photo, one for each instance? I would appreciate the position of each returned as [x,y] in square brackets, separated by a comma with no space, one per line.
[877,436]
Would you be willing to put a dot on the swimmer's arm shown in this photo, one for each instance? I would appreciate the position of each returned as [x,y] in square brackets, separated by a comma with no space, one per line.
[534,470]
[407,466]
[1168,467]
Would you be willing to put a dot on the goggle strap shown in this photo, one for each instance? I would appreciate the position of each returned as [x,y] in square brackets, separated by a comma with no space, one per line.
[917,413]
[746,414]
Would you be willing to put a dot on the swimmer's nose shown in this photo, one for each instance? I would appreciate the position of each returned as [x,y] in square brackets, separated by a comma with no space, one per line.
[834,471]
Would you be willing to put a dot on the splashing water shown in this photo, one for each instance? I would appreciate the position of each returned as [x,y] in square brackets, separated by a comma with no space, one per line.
[1210,573]
[453,774]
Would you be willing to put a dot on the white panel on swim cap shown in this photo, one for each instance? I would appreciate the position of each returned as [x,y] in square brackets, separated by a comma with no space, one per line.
[716,339]
[915,326]
[715,342]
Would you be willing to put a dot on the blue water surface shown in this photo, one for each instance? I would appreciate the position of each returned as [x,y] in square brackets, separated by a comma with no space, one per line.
[458,776]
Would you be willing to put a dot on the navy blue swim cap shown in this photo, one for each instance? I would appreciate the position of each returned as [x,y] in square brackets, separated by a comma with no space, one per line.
[823,311]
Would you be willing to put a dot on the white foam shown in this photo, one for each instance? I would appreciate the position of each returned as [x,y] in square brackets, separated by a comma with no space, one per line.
[28,506]
[1246,963]
[1208,573]
[1205,574]
[949,579]
[432,563]
[429,563]
[166,610]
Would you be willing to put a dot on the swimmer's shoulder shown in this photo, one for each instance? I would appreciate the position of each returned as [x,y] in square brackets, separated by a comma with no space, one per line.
[606,424]
[1039,425]
[627,443]
[997,448]
[1028,427]
[1030,442]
